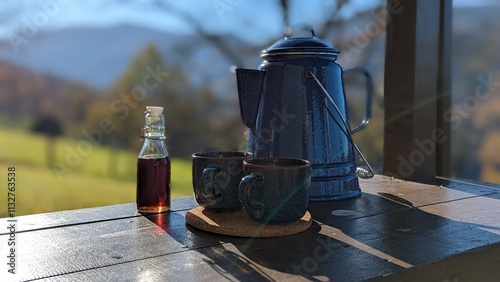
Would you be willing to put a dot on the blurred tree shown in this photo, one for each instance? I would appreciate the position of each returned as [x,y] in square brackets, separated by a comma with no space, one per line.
[130,93]
[43,94]
[149,81]
[99,127]
[78,98]
[51,127]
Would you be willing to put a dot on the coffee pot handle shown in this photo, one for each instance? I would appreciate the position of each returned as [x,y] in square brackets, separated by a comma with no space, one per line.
[360,171]
[369,97]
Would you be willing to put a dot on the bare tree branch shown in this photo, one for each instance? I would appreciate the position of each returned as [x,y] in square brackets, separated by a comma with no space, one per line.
[285,7]
[225,50]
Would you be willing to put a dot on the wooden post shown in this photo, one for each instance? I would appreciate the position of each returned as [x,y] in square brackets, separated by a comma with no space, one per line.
[443,149]
[416,139]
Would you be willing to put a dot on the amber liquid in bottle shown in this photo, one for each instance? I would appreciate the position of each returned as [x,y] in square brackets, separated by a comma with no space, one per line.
[153,165]
[153,185]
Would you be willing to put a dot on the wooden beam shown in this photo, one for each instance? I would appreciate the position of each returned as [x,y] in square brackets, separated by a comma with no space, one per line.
[413,91]
[443,149]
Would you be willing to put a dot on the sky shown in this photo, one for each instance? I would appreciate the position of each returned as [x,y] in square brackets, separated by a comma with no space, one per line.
[217,16]
[220,16]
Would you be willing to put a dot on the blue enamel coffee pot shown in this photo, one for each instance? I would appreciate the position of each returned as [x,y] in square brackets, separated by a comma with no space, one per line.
[295,106]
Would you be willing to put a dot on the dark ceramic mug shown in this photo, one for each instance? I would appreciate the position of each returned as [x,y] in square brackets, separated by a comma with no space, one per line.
[275,190]
[216,176]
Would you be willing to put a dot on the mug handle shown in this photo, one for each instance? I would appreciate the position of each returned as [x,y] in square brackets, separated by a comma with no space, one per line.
[244,191]
[208,188]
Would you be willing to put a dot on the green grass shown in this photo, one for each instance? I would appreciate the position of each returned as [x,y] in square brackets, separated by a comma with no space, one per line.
[82,180]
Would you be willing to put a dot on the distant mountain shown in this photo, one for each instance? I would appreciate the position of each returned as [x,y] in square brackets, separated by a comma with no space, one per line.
[25,92]
[92,55]
[98,56]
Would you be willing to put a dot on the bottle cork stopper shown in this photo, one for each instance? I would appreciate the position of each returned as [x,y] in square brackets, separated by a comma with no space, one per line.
[154,111]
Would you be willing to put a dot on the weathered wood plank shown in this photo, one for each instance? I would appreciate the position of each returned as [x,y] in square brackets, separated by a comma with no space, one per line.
[54,251]
[379,236]
[348,250]
[420,194]
[90,215]
[479,212]
[416,196]
[262,259]
[480,264]
[422,235]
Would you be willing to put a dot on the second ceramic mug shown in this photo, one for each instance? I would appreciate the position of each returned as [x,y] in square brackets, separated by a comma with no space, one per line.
[216,176]
[275,190]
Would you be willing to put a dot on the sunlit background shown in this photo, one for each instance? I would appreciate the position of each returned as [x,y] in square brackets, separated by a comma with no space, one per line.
[65,66]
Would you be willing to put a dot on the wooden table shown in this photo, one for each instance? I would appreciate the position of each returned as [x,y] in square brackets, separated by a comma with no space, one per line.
[396,230]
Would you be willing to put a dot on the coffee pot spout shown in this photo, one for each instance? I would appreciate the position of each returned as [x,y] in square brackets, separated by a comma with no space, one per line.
[249,84]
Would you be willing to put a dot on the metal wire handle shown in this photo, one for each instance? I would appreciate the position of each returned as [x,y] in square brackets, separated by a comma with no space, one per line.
[360,171]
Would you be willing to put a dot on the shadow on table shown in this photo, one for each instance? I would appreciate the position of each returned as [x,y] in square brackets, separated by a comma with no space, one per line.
[350,240]
[367,237]
[314,254]
[210,249]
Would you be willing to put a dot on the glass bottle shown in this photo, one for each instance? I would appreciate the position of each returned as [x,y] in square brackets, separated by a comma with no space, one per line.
[153,165]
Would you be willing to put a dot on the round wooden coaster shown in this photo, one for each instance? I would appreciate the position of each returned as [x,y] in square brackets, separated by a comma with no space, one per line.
[238,223]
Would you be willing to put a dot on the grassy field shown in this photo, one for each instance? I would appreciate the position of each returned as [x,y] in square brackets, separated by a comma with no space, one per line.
[80,179]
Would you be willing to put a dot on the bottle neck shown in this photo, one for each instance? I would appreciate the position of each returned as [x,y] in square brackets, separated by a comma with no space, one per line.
[153,127]
[153,132]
